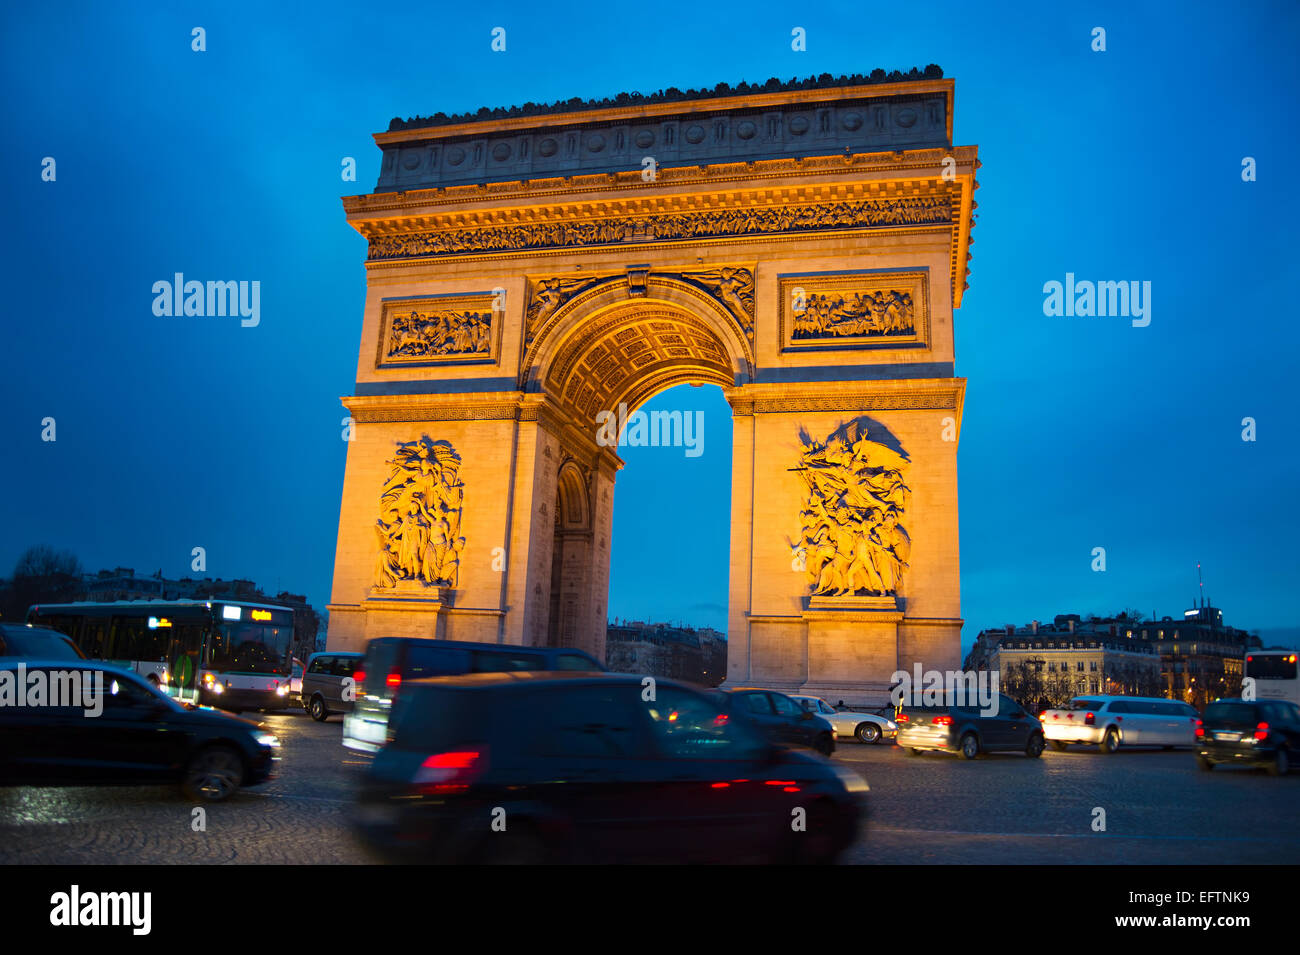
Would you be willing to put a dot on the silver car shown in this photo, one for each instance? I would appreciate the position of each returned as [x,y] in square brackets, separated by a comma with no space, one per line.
[847,724]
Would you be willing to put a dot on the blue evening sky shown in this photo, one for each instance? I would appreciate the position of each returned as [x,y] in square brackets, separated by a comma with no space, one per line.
[1078,432]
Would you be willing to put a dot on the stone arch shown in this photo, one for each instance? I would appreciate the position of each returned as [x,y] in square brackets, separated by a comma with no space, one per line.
[571,556]
[608,345]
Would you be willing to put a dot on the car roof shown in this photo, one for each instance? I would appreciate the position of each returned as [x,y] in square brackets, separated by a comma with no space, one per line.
[471,681]
[469,645]
[1120,696]
[12,663]
[333,653]
[30,628]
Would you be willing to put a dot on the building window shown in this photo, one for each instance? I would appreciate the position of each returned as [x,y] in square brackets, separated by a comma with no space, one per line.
[1092,667]
[1051,668]
[1079,666]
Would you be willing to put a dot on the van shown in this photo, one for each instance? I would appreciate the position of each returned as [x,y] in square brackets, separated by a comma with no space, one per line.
[329,684]
[391,661]
[1109,722]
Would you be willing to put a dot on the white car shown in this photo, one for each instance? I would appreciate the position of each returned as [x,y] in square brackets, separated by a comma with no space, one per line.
[1109,722]
[864,727]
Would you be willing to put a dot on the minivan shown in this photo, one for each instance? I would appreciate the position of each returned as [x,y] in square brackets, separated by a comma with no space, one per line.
[391,661]
[1112,721]
[329,683]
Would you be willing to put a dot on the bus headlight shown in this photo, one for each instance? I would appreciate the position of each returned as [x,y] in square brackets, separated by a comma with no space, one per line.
[216,688]
[282,690]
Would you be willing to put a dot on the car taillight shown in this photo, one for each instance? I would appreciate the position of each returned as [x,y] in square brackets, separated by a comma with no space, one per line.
[902,718]
[1200,728]
[394,679]
[451,772]
[358,676]
[1089,720]
[1261,731]
[942,721]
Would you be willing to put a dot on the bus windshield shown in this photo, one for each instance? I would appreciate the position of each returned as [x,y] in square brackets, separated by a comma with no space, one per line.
[1271,666]
[246,647]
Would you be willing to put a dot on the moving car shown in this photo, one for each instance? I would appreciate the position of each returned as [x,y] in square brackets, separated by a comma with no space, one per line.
[115,728]
[329,683]
[295,681]
[580,767]
[36,643]
[1112,721]
[966,730]
[848,724]
[1258,733]
[390,661]
[780,718]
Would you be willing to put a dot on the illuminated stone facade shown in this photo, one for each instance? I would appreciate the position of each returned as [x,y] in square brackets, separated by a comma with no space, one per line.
[803,249]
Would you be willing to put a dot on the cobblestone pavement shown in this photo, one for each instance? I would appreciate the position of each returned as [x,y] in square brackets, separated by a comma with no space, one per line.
[1001,809]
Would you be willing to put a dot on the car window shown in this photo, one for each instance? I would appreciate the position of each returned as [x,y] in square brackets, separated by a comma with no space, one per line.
[783,705]
[344,666]
[319,665]
[434,661]
[39,644]
[756,703]
[689,726]
[572,661]
[1007,706]
[1122,707]
[503,661]
[592,722]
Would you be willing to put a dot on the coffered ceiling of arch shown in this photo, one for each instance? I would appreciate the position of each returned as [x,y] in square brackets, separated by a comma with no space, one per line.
[612,359]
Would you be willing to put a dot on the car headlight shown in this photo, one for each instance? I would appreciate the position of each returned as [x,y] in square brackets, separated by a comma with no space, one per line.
[266,739]
[891,726]
[282,689]
[216,688]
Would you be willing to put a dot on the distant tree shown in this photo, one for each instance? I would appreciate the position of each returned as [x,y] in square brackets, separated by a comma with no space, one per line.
[42,575]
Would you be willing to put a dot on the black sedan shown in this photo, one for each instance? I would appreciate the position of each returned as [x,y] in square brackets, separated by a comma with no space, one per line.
[1262,734]
[579,767]
[86,723]
[779,718]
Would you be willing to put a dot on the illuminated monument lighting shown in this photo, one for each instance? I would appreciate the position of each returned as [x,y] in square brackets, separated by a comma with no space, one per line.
[803,247]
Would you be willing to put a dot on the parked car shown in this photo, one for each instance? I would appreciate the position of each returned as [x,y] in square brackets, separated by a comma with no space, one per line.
[967,730]
[850,724]
[391,661]
[1113,721]
[295,681]
[780,718]
[1259,733]
[579,767]
[36,643]
[140,736]
[329,683]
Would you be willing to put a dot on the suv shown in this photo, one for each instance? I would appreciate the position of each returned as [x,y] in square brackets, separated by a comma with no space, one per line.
[780,718]
[1259,733]
[1112,721]
[329,684]
[391,661]
[36,643]
[967,730]
[582,768]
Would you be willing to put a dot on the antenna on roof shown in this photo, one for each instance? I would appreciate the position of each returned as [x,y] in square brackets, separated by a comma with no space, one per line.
[1200,585]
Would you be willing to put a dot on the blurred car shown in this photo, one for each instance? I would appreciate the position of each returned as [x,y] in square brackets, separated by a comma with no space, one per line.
[295,681]
[36,643]
[780,718]
[1257,733]
[849,724]
[329,683]
[1112,721]
[391,661]
[139,737]
[528,767]
[964,729]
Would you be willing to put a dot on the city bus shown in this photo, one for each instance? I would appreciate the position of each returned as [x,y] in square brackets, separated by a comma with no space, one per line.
[1274,673]
[232,654]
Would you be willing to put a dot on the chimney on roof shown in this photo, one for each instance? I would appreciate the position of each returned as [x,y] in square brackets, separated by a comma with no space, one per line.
[1071,622]
[1033,624]
[1011,630]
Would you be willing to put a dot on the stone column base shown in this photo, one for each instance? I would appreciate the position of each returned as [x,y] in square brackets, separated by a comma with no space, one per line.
[410,609]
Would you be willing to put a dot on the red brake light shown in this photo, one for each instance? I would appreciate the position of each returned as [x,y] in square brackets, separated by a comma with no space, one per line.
[1089,720]
[1200,728]
[902,718]
[1261,731]
[942,721]
[358,676]
[394,679]
[451,772]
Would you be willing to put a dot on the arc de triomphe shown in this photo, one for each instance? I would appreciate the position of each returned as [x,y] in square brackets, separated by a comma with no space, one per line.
[803,246]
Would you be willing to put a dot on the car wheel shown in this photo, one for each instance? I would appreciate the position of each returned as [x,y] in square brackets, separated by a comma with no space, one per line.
[1060,745]
[1034,748]
[970,746]
[867,733]
[911,751]
[319,712]
[1205,764]
[1109,742]
[214,774]
[825,744]
[1281,764]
